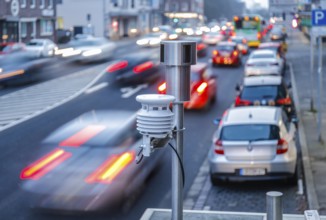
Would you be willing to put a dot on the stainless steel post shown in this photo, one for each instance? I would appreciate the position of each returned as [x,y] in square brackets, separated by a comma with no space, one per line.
[320,88]
[312,70]
[274,205]
[178,56]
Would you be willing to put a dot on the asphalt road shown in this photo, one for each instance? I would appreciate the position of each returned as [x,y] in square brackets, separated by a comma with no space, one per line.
[20,143]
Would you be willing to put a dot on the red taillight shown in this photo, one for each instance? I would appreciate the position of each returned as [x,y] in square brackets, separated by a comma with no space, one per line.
[45,164]
[201,46]
[240,102]
[244,41]
[235,53]
[82,136]
[117,66]
[285,101]
[219,147]
[258,35]
[215,52]
[143,67]
[111,168]
[202,87]
[282,146]
[162,88]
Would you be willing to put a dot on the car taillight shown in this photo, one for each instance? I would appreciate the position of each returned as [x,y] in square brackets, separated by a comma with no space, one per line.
[45,164]
[219,147]
[202,87]
[215,52]
[244,41]
[111,168]
[282,146]
[284,101]
[240,102]
[235,53]
[258,35]
[273,64]
[143,67]
[201,46]
[162,88]
[117,66]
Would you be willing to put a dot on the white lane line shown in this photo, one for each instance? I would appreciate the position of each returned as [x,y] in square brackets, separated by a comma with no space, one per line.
[133,91]
[96,88]
[300,187]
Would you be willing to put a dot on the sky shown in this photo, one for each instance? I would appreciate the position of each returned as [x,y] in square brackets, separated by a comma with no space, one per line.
[249,3]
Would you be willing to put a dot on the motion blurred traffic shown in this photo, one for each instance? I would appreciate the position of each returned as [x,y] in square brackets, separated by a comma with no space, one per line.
[86,163]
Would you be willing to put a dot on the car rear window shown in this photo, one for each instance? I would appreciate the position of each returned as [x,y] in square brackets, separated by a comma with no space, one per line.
[250,132]
[259,92]
[262,56]
[35,43]
[225,48]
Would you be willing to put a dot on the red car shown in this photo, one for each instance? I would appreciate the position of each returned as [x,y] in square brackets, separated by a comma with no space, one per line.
[203,88]
[226,53]
[11,47]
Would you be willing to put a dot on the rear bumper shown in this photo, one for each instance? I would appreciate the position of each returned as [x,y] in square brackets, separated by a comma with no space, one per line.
[225,60]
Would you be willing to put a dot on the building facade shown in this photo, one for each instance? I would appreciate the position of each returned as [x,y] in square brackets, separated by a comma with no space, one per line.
[23,20]
[109,18]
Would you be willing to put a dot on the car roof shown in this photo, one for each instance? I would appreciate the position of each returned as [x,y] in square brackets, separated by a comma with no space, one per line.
[269,44]
[262,80]
[226,43]
[252,114]
[198,67]
[263,52]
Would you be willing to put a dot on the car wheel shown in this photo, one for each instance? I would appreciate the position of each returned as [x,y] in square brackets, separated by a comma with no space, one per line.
[217,182]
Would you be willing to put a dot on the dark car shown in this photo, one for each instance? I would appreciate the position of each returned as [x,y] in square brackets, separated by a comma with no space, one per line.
[265,90]
[226,53]
[20,67]
[88,165]
[277,34]
[134,68]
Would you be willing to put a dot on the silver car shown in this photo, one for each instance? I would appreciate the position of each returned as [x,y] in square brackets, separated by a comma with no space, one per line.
[253,143]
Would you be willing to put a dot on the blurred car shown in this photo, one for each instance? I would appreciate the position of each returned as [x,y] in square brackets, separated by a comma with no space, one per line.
[88,50]
[226,53]
[88,165]
[203,87]
[212,38]
[41,47]
[201,47]
[241,43]
[265,90]
[276,47]
[20,67]
[278,34]
[152,39]
[11,47]
[134,68]
[253,143]
[264,62]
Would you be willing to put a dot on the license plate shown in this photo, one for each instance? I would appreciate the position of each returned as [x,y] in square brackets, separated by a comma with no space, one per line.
[252,172]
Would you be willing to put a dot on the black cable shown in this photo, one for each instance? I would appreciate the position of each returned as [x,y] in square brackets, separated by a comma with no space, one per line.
[181,165]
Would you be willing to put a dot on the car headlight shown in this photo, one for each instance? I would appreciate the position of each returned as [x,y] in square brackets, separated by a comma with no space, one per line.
[142,42]
[71,52]
[155,42]
[92,52]
[173,36]
[0,70]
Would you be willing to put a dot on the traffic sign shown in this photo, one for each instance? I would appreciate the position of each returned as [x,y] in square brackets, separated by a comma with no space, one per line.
[318,17]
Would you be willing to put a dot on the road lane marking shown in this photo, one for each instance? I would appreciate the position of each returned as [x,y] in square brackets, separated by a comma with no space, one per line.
[96,88]
[300,187]
[129,91]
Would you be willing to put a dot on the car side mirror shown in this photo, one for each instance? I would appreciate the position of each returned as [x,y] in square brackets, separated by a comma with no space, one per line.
[217,121]
[237,87]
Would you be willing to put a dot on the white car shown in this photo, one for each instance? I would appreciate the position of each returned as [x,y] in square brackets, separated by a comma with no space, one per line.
[212,38]
[89,50]
[253,143]
[264,62]
[41,47]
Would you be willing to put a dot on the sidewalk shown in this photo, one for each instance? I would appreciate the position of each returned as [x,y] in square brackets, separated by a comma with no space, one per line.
[313,152]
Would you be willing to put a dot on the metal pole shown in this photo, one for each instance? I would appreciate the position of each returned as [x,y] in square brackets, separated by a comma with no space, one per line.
[320,88]
[177,187]
[274,205]
[312,71]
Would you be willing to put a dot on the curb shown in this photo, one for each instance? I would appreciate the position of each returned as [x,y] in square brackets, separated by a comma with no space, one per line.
[308,176]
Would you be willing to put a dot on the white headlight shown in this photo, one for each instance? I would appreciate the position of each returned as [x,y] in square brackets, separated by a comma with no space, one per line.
[92,52]
[142,42]
[173,36]
[178,30]
[155,42]
[70,53]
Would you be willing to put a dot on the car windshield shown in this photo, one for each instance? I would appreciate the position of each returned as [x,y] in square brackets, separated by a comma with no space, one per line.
[259,92]
[225,48]
[81,43]
[262,56]
[153,35]
[237,40]
[249,132]
[35,43]
[269,48]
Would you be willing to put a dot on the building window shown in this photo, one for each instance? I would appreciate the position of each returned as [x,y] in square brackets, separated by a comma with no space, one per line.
[42,3]
[23,29]
[23,3]
[50,4]
[46,27]
[32,4]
